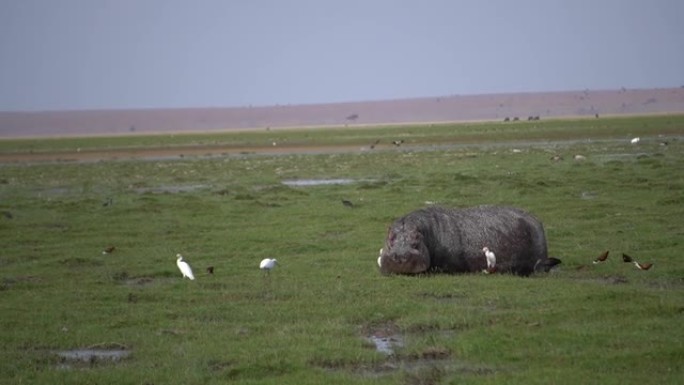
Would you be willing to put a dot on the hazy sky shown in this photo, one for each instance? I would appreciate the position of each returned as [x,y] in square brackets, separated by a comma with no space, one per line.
[93,54]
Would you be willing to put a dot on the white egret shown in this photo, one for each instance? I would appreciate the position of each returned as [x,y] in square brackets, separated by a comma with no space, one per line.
[491,259]
[268,264]
[635,140]
[184,267]
[380,259]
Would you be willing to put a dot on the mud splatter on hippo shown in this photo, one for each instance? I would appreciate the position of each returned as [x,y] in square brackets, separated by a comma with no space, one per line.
[439,239]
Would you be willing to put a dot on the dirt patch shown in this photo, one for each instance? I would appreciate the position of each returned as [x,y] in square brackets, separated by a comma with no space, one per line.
[169,153]
[444,108]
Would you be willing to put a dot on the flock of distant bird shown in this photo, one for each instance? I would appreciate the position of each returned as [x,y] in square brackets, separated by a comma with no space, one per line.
[578,157]
[397,143]
[625,258]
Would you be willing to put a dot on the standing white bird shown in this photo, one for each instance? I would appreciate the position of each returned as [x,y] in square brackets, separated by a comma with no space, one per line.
[635,140]
[491,260]
[184,267]
[268,264]
[380,259]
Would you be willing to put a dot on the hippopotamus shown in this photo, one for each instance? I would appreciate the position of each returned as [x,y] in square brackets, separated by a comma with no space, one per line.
[440,239]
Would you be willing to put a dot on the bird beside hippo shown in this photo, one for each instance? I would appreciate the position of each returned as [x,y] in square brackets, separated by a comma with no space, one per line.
[439,239]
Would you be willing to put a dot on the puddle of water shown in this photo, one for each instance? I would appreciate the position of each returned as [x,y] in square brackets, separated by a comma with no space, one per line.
[386,344]
[317,182]
[90,356]
[587,195]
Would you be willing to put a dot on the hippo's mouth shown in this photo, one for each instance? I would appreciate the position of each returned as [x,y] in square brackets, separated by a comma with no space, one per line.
[410,261]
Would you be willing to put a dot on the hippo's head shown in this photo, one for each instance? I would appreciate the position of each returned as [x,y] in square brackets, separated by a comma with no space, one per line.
[404,251]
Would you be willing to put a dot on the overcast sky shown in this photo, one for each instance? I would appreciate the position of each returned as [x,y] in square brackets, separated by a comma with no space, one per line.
[95,54]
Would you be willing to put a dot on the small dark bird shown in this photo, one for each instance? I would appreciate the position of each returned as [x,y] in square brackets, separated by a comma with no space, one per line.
[552,261]
[7,214]
[347,203]
[397,142]
[547,264]
[108,202]
[602,257]
[108,249]
[626,258]
[374,144]
[210,270]
[643,266]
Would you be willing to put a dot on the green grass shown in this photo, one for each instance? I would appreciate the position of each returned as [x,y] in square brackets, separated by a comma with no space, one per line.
[306,323]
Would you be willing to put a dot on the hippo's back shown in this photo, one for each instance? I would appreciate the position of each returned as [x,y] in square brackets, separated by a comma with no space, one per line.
[455,238]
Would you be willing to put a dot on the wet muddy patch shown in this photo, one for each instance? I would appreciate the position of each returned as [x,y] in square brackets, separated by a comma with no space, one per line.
[430,364]
[170,189]
[386,344]
[317,182]
[442,297]
[91,356]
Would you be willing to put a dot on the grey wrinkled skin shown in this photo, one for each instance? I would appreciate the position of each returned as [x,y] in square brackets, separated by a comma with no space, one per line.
[438,239]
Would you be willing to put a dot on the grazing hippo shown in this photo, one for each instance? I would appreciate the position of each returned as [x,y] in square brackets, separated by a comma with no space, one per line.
[438,239]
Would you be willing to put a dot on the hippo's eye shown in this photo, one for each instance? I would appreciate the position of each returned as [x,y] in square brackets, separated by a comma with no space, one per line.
[415,238]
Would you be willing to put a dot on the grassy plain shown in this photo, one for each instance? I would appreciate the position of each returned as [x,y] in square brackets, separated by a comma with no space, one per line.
[308,321]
